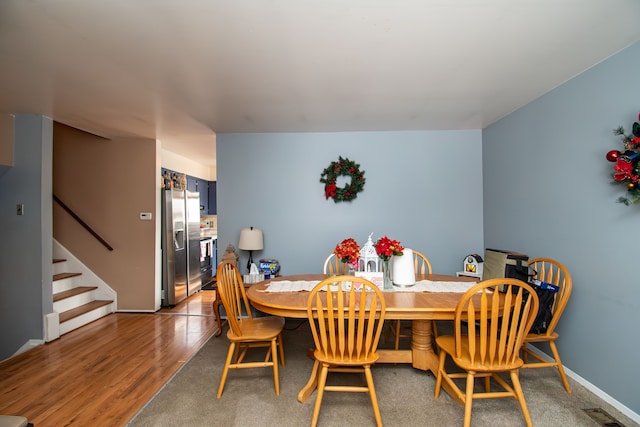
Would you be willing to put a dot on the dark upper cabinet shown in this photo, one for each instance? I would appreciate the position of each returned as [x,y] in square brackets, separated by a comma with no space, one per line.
[192,183]
[213,207]
[202,187]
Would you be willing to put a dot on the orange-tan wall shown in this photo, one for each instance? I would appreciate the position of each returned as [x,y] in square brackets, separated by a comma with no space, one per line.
[108,183]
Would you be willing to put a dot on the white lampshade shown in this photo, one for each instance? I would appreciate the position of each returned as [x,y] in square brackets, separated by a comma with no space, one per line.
[250,239]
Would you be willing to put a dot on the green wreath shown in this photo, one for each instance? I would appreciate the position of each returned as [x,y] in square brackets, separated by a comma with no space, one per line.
[344,167]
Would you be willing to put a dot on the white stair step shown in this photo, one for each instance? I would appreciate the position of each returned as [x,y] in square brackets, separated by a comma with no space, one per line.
[80,316]
[72,298]
[65,281]
[59,265]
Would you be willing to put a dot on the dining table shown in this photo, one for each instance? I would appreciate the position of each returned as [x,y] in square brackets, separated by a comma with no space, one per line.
[401,304]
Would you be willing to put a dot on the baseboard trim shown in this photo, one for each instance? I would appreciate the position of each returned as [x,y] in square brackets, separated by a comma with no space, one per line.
[592,388]
[28,346]
[135,311]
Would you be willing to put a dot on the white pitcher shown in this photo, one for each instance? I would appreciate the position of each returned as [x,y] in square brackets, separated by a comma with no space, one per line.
[402,270]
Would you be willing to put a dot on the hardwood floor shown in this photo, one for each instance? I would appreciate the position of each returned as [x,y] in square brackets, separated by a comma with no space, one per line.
[104,372]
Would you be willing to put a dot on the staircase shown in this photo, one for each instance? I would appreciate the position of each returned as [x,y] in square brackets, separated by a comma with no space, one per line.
[76,302]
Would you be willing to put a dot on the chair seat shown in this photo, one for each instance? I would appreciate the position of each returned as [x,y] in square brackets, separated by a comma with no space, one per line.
[448,344]
[258,329]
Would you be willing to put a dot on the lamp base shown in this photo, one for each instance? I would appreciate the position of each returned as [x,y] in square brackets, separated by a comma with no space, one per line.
[249,262]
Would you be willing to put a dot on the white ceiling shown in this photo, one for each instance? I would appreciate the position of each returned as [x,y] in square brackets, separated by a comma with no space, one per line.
[180,71]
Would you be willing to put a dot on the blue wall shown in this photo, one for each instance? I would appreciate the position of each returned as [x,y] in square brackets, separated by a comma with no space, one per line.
[422,188]
[26,260]
[536,181]
[547,192]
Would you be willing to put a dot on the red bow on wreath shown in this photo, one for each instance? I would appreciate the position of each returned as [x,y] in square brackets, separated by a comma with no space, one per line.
[330,190]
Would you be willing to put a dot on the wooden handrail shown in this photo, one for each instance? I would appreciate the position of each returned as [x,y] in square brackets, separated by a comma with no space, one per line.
[82,223]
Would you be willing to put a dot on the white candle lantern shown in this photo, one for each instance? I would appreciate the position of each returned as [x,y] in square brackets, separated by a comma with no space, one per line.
[369,259]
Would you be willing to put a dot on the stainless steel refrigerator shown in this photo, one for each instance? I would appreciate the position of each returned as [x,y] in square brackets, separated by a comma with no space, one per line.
[180,244]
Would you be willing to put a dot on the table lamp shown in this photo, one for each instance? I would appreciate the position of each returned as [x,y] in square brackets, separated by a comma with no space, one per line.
[250,240]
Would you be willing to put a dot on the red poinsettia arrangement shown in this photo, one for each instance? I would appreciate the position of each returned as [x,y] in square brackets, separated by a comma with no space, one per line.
[627,168]
[386,248]
[348,251]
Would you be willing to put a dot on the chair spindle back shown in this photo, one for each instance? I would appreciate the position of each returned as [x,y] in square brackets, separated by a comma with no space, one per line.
[346,315]
[497,322]
[233,296]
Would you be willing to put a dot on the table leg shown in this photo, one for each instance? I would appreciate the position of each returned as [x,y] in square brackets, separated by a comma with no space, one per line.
[216,312]
[311,385]
[423,356]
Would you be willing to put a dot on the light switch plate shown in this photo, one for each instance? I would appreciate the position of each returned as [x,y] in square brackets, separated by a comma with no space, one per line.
[146,216]
[20,209]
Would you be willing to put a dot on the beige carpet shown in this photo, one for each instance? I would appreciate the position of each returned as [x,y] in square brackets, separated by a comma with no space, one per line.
[405,396]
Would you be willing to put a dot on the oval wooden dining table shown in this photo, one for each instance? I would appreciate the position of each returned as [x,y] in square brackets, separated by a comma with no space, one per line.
[419,307]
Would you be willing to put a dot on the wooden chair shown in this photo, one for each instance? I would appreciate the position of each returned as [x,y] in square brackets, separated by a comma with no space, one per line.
[346,327]
[333,266]
[553,272]
[497,323]
[245,332]
[421,265]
